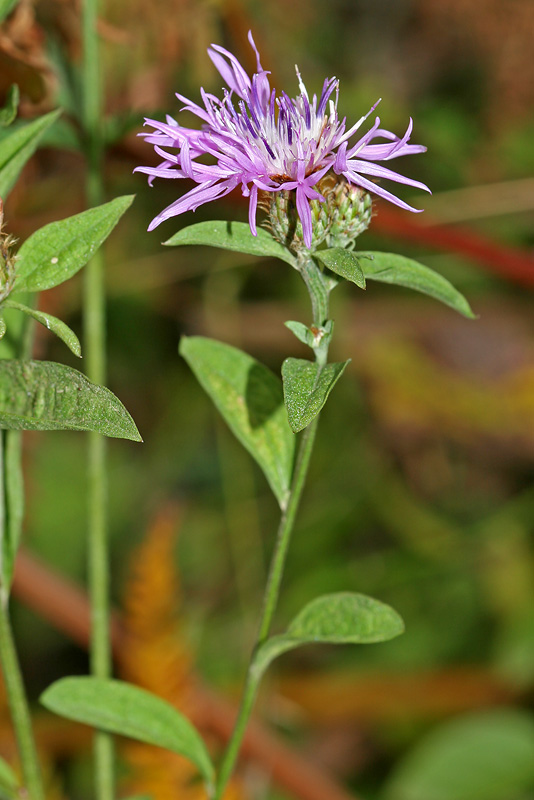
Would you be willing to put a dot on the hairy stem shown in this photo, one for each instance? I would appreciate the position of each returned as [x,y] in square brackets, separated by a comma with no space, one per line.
[94,328]
[319,298]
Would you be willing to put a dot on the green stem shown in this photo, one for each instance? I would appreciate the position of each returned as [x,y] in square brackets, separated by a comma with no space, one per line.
[16,696]
[95,336]
[319,297]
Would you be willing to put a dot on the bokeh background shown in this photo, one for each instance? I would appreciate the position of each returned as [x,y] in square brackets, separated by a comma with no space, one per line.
[421,490]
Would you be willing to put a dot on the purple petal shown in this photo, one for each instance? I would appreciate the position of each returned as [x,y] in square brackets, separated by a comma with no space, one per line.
[253,203]
[234,75]
[380,191]
[357,167]
[303,210]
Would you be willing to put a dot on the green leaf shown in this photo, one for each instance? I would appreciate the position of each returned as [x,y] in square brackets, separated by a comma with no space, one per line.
[9,783]
[341,618]
[44,396]
[306,389]
[9,111]
[3,327]
[52,323]
[232,236]
[484,756]
[250,399]
[17,146]
[302,332]
[402,271]
[344,263]
[6,6]
[121,708]
[57,251]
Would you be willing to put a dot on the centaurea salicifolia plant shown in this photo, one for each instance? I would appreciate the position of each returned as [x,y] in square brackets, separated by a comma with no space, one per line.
[299,161]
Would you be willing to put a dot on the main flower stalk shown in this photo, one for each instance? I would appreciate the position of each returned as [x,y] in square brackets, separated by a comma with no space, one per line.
[319,295]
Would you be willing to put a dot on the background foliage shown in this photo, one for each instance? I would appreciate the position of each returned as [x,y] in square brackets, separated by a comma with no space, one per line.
[420,490]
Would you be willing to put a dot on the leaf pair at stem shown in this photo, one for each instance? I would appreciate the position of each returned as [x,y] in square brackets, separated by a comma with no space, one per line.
[123,709]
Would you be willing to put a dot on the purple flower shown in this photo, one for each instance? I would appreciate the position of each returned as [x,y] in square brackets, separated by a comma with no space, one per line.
[260,141]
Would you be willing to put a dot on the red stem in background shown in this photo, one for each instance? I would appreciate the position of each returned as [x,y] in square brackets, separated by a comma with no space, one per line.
[507,262]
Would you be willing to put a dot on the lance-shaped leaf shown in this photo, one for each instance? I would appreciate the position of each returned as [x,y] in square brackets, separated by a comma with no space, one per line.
[232,236]
[302,332]
[9,784]
[17,146]
[306,389]
[45,396]
[249,397]
[344,263]
[340,618]
[127,710]
[9,111]
[52,323]
[57,251]
[488,755]
[402,271]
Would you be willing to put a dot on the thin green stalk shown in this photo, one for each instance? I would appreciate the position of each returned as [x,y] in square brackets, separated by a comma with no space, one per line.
[270,600]
[16,696]
[95,335]
[319,297]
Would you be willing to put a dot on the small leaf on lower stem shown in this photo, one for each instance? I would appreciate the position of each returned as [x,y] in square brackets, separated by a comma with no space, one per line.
[127,710]
[302,332]
[341,618]
[306,389]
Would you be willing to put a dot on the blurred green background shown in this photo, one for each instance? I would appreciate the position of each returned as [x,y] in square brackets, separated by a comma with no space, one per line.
[421,490]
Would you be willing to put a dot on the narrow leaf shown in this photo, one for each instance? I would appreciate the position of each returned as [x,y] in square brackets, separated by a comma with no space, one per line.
[344,263]
[306,389]
[52,323]
[484,756]
[341,618]
[402,271]
[9,783]
[17,146]
[9,111]
[302,332]
[44,396]
[232,236]
[121,708]
[57,251]
[3,327]
[250,399]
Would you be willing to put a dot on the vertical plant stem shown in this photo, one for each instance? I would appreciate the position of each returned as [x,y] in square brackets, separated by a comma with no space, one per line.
[16,696]
[319,297]
[95,336]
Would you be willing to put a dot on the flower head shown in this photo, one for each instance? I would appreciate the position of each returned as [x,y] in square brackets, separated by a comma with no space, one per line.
[263,142]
